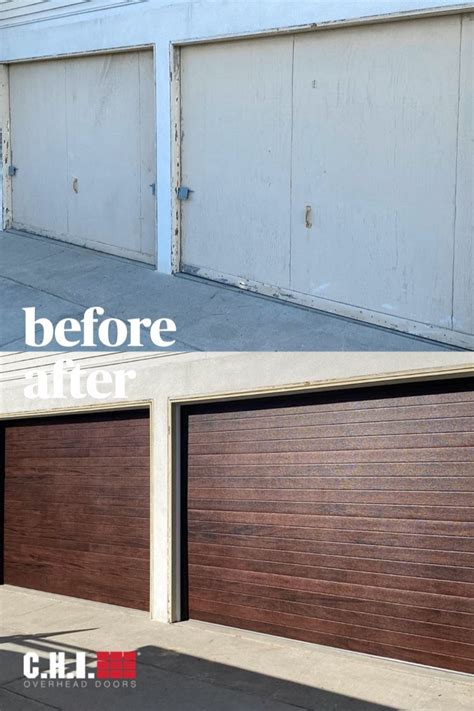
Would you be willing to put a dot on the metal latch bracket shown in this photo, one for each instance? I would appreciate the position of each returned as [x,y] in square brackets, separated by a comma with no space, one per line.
[183,192]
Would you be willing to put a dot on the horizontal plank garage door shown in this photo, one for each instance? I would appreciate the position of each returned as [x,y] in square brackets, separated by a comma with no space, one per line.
[83,144]
[344,519]
[77,506]
[349,156]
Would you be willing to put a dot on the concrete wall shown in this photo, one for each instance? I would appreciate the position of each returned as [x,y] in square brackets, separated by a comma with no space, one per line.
[16,12]
[173,378]
[5,180]
[161,22]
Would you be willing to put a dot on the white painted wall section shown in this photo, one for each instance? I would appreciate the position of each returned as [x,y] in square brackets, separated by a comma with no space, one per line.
[463,278]
[5,180]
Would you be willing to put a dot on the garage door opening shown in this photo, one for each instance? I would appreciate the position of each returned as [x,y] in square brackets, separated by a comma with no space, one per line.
[77,506]
[83,151]
[341,518]
[334,169]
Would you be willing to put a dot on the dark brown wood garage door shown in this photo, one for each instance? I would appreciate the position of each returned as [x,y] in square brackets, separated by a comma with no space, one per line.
[77,506]
[344,519]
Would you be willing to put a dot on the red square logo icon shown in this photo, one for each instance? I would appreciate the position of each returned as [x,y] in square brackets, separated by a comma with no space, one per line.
[116,665]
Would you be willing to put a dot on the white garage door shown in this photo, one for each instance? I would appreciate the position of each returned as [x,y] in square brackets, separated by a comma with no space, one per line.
[326,164]
[84,148]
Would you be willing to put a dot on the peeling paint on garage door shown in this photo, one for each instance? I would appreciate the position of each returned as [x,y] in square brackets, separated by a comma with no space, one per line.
[83,145]
[334,168]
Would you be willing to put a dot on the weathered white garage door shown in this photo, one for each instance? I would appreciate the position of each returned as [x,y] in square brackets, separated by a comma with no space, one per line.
[337,167]
[83,145]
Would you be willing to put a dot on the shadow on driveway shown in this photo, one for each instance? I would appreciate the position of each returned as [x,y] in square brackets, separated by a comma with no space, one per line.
[166,680]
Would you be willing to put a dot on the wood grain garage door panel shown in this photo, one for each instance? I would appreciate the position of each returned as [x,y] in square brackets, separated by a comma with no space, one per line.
[342,518]
[77,506]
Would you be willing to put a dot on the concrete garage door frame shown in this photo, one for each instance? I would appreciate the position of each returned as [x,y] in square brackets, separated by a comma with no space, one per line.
[8,218]
[65,413]
[178,470]
[461,338]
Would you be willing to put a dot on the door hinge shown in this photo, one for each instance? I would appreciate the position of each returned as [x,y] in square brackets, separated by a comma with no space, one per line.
[12,170]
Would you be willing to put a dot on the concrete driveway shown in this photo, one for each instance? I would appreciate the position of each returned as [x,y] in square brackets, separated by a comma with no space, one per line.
[62,280]
[193,666]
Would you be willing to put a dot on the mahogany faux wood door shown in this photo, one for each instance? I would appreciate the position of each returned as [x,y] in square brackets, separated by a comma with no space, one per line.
[344,519]
[77,506]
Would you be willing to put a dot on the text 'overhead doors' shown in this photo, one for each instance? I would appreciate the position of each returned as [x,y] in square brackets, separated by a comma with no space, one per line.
[84,151]
[344,519]
[77,506]
[337,166]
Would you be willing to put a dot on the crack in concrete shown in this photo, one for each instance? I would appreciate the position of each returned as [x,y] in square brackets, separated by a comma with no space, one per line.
[42,291]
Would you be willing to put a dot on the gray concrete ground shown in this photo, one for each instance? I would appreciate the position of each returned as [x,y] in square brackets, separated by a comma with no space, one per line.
[193,666]
[62,281]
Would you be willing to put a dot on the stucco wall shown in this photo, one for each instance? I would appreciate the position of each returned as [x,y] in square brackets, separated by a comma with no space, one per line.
[165,379]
